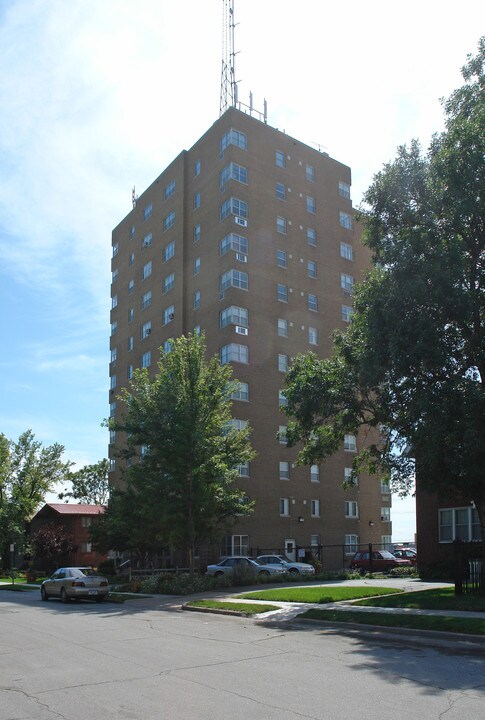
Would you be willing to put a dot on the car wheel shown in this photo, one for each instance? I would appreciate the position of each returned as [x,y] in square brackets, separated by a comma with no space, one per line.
[218,574]
[263,572]
[388,569]
[64,597]
[361,571]
[294,571]
[43,593]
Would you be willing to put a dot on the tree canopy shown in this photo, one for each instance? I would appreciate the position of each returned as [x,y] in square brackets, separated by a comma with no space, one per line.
[27,472]
[89,485]
[184,451]
[412,364]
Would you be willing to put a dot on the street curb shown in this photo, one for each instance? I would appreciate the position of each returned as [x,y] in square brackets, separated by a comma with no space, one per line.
[215,611]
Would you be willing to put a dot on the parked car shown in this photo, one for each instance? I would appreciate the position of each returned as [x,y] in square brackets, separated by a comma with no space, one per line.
[75,582]
[288,566]
[227,567]
[406,554]
[382,561]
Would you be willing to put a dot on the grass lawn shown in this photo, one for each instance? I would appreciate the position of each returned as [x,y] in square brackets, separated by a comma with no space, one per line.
[18,587]
[473,626]
[245,608]
[318,594]
[435,599]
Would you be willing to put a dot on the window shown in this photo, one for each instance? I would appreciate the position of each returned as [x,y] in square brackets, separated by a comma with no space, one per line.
[147,270]
[238,243]
[146,330]
[459,523]
[282,363]
[169,190]
[146,359]
[234,353]
[315,508]
[315,543]
[167,346]
[345,220]
[350,443]
[131,260]
[168,251]
[344,189]
[282,327]
[234,137]
[129,345]
[112,382]
[311,236]
[233,278]
[86,547]
[284,470]
[235,545]
[197,330]
[131,287]
[311,205]
[281,258]
[310,173]
[114,302]
[115,275]
[116,249]
[281,225]
[351,544]
[313,336]
[386,542]
[114,328]
[131,315]
[168,221]
[234,424]
[114,354]
[196,203]
[147,240]
[196,304]
[243,469]
[197,266]
[168,283]
[280,191]
[168,315]
[241,391]
[129,371]
[312,302]
[233,206]
[315,473]
[284,506]
[282,434]
[282,293]
[197,168]
[312,269]
[112,409]
[386,514]
[347,283]
[147,212]
[282,399]
[196,233]
[280,159]
[233,315]
[347,313]
[385,487]
[351,509]
[346,251]
[233,171]
[146,300]
[132,232]
[348,479]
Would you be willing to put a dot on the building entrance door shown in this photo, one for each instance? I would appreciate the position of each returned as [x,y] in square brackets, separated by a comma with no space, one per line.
[290,549]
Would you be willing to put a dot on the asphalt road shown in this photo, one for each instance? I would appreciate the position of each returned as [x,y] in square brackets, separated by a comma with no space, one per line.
[149,660]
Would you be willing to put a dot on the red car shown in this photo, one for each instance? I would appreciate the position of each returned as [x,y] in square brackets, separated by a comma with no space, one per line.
[406,554]
[382,561]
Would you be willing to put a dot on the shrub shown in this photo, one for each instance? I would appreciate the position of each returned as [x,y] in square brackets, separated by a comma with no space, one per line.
[107,567]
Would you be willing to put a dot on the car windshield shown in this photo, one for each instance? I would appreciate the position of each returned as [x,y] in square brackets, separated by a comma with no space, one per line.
[386,554]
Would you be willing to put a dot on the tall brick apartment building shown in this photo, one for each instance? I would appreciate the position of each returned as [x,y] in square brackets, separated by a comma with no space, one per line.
[248,236]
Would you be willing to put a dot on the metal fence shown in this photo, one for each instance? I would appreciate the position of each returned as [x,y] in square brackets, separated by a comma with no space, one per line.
[469,574]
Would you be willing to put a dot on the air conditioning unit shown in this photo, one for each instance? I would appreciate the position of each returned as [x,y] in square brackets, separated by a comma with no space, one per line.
[242,330]
[241,221]
[242,257]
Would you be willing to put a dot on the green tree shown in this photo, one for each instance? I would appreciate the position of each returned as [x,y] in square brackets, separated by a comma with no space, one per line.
[89,485]
[412,365]
[27,472]
[178,427]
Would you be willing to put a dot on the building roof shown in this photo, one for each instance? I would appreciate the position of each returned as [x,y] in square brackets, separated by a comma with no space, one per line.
[77,509]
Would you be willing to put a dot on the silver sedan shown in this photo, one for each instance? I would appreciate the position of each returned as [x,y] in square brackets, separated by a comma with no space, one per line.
[287,565]
[244,564]
[75,582]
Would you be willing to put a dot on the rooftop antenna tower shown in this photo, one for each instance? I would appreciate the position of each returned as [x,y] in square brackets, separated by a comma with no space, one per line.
[228,73]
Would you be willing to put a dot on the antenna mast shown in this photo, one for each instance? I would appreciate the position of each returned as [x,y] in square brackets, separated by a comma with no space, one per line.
[228,76]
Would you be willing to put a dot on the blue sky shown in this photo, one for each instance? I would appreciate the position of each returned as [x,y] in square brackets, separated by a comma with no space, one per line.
[99,96]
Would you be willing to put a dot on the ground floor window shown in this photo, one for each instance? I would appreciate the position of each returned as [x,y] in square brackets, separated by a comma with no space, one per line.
[235,545]
[458,524]
[351,544]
